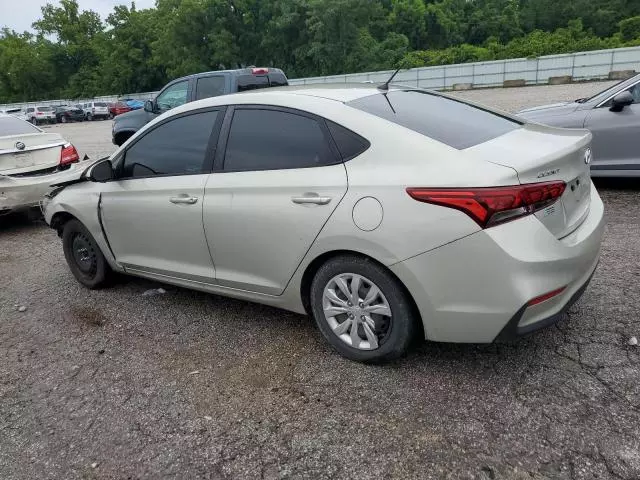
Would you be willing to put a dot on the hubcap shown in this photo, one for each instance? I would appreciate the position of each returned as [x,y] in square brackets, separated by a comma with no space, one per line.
[83,254]
[357,311]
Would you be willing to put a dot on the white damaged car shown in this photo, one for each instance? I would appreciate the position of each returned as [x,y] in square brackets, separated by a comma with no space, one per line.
[30,162]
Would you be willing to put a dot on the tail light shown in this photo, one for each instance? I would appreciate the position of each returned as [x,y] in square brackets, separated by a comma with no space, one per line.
[493,205]
[260,71]
[39,113]
[68,155]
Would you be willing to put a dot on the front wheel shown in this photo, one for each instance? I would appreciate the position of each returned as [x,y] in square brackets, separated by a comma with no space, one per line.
[85,260]
[362,310]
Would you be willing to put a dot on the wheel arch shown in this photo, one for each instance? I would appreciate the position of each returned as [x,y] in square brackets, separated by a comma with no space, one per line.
[316,263]
[59,220]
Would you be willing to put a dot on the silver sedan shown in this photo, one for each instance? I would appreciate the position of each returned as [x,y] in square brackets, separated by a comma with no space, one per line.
[389,215]
[613,116]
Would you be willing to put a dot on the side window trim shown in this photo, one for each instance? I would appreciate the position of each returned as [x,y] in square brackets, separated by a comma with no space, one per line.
[226,130]
[210,151]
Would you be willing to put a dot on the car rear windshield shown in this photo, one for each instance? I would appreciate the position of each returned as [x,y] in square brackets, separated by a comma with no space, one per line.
[449,121]
[45,109]
[252,82]
[15,126]
[100,104]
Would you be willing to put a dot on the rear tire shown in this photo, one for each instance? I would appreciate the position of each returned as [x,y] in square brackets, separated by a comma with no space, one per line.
[89,117]
[384,319]
[34,121]
[63,119]
[85,260]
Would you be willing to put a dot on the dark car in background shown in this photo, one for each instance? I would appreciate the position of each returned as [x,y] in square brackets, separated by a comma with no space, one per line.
[118,108]
[68,113]
[195,87]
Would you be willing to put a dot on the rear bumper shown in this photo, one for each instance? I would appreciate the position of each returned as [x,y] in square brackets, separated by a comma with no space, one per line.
[18,193]
[473,289]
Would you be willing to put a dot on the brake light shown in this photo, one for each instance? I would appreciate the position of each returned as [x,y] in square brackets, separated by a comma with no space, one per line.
[259,71]
[68,155]
[39,113]
[546,296]
[491,206]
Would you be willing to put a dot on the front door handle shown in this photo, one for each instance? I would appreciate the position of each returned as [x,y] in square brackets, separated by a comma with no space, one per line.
[183,200]
[311,199]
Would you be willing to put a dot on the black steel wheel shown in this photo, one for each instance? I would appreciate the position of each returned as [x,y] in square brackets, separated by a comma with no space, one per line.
[85,260]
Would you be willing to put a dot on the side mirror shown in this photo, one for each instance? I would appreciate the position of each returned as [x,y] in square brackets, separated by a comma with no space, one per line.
[621,100]
[149,106]
[102,172]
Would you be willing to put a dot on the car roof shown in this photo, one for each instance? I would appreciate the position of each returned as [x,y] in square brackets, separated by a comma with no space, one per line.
[237,71]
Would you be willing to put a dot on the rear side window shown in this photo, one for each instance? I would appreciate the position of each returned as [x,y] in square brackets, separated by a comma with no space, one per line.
[209,87]
[273,139]
[454,123]
[349,144]
[177,147]
[15,126]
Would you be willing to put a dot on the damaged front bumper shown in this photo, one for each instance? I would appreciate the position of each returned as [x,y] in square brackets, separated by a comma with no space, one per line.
[24,192]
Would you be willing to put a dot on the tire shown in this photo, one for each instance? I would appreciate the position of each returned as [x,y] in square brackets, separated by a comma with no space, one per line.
[85,260]
[388,336]
[111,116]
[63,119]
[89,117]
[34,121]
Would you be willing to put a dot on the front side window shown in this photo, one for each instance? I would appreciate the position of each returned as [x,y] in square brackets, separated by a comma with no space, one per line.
[272,139]
[207,87]
[177,147]
[173,96]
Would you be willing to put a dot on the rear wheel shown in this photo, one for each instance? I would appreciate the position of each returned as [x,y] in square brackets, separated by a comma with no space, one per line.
[111,116]
[34,121]
[85,260]
[63,119]
[89,117]
[362,310]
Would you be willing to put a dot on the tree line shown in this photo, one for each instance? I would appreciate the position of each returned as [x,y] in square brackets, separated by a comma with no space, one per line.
[73,53]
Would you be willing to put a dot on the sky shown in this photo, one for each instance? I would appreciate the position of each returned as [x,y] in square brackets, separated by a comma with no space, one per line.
[20,14]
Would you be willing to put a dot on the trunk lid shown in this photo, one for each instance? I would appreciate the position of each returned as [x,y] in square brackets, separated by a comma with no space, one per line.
[41,151]
[545,154]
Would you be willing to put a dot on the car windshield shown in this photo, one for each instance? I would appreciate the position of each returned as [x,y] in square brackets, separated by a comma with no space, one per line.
[612,89]
[45,109]
[450,121]
[15,126]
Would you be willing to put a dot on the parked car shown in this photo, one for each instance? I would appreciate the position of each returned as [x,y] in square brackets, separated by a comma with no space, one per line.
[195,87]
[118,108]
[68,113]
[30,161]
[16,112]
[385,214]
[40,114]
[133,103]
[613,116]
[93,110]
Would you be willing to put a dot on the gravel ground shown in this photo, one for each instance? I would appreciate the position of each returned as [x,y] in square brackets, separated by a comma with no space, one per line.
[113,384]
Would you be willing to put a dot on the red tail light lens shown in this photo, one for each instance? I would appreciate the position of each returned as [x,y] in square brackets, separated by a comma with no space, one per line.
[493,205]
[259,71]
[68,155]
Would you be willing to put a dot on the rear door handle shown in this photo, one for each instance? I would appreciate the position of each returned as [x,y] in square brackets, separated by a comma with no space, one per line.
[311,199]
[183,200]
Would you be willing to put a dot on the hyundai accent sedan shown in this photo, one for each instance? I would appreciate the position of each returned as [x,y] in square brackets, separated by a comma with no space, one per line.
[388,215]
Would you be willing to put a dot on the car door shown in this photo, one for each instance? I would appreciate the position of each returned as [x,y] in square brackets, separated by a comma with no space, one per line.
[615,135]
[278,179]
[152,212]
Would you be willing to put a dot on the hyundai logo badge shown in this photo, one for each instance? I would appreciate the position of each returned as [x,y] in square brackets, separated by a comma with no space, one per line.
[20,145]
[587,156]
